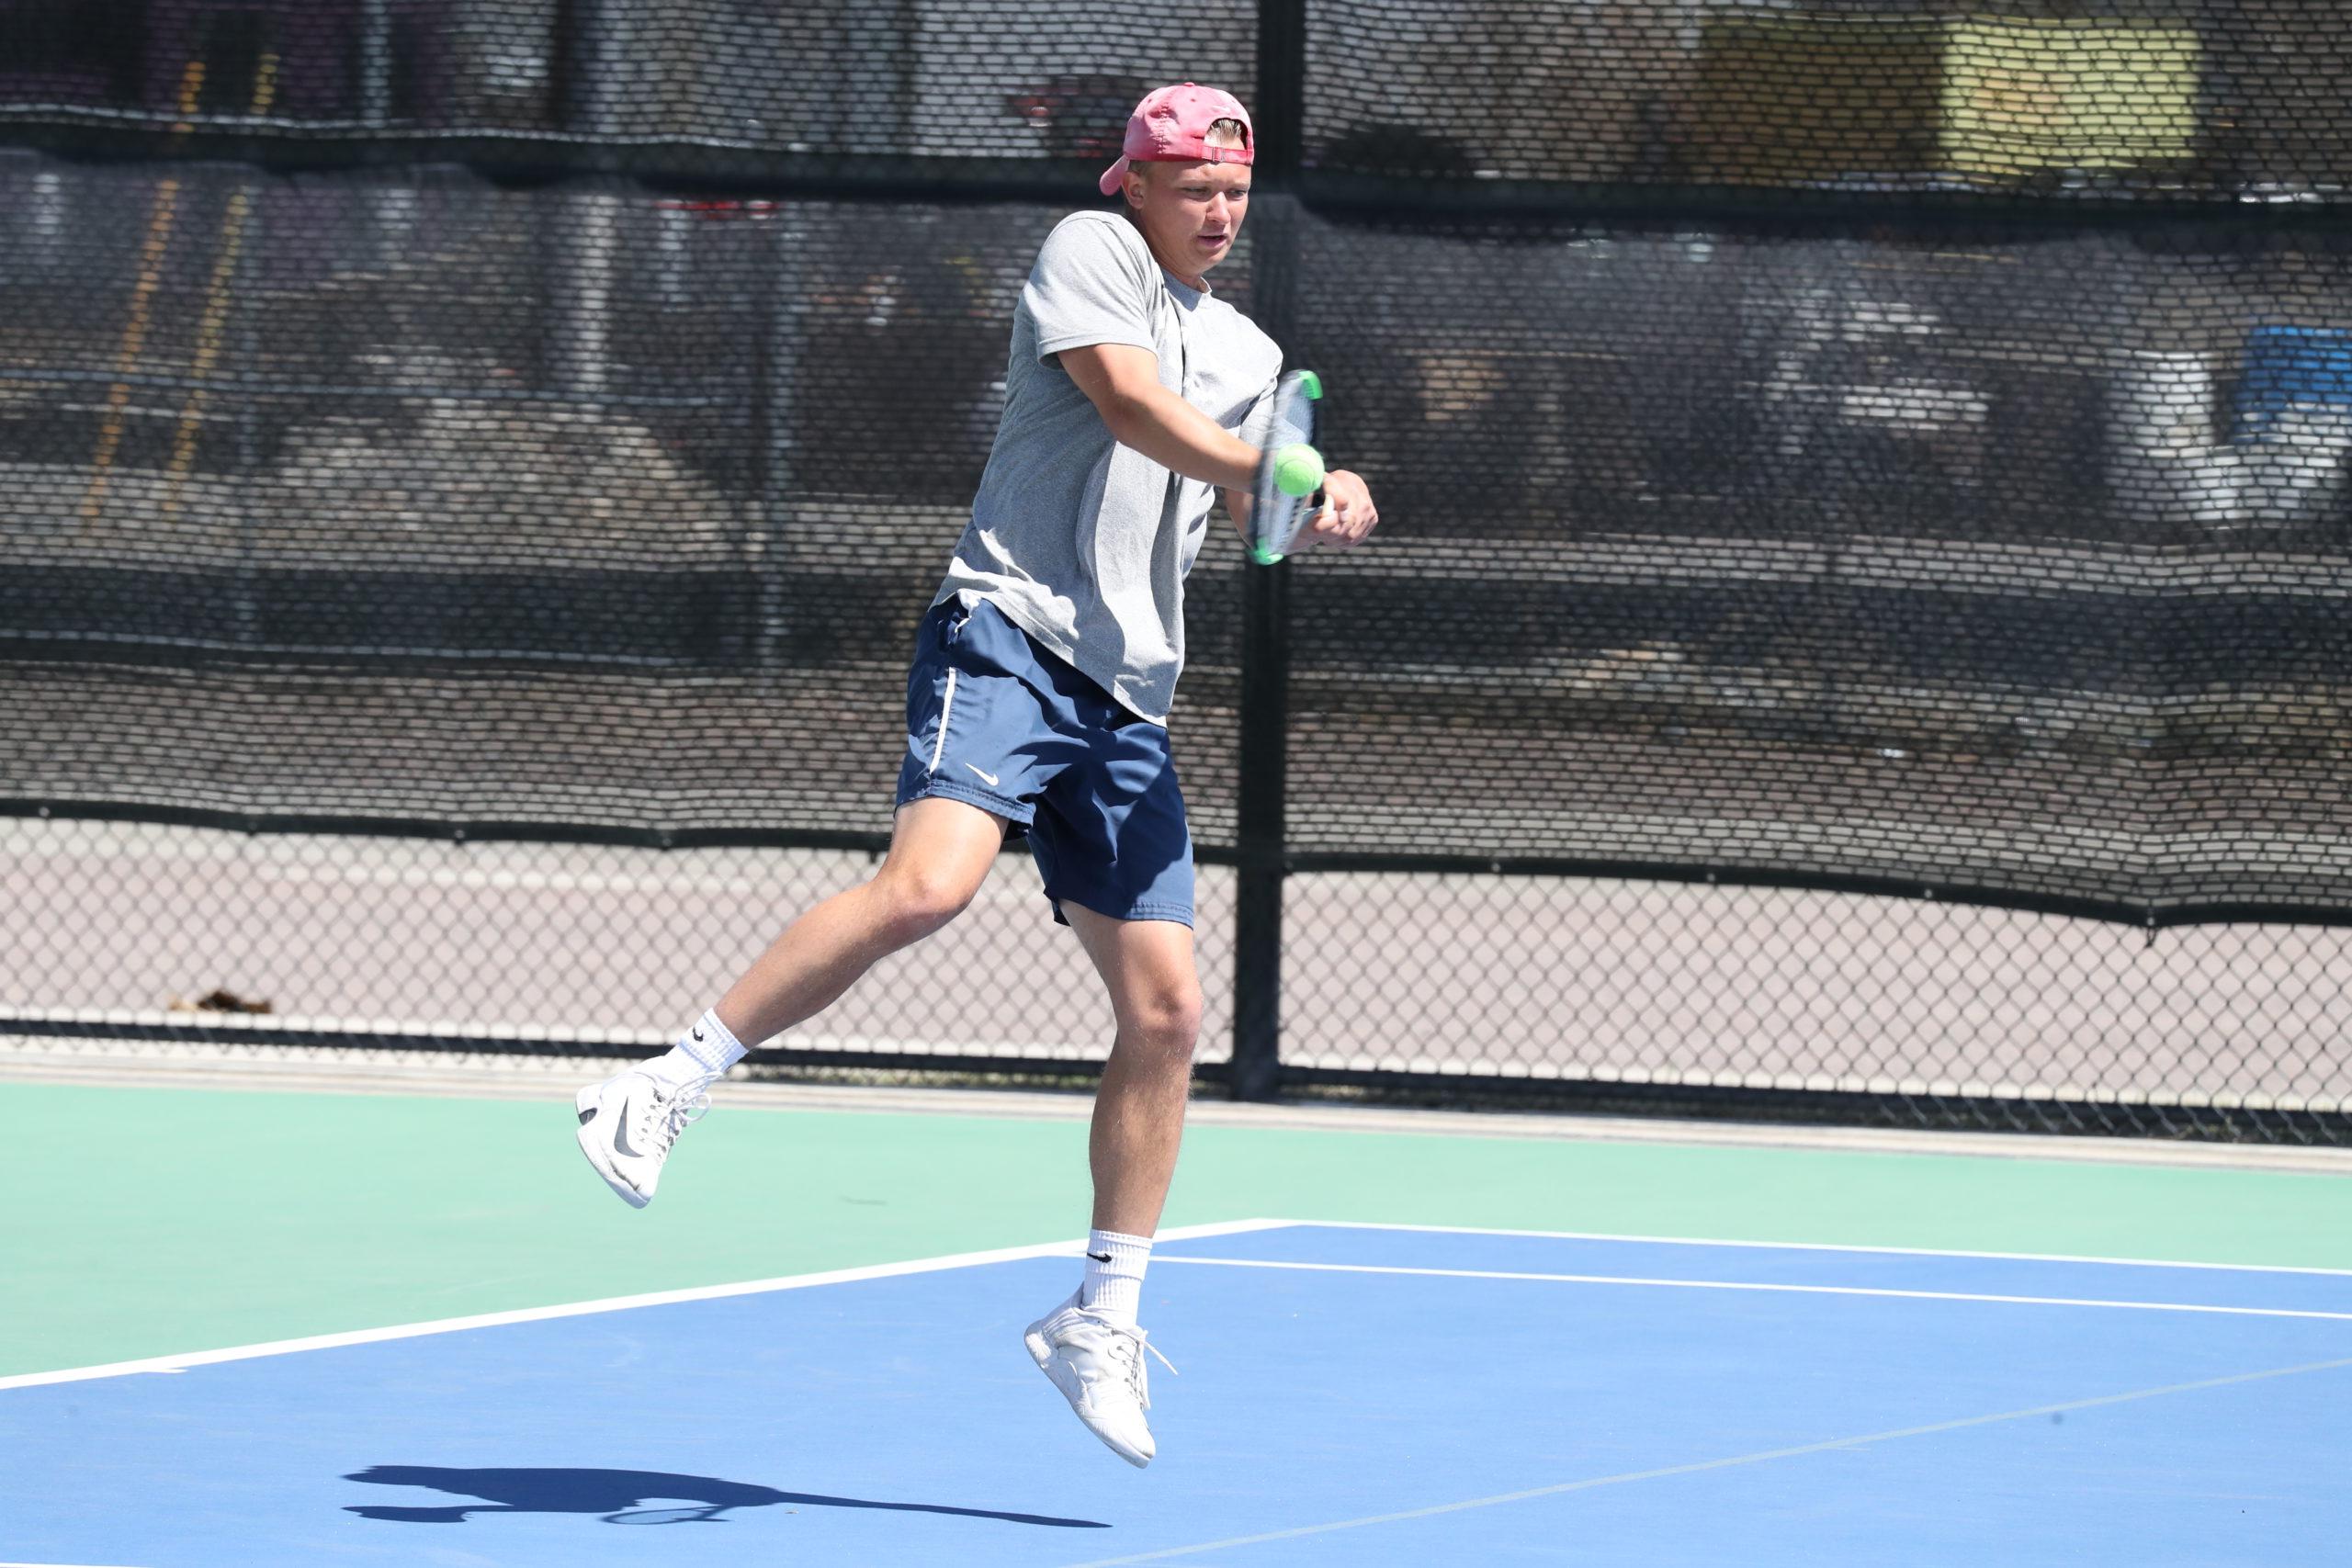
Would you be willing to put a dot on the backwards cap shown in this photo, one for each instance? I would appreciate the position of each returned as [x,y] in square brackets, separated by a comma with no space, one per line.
[1171,126]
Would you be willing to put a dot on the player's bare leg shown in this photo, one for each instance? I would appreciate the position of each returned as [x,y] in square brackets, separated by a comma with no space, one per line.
[1091,1346]
[1140,1111]
[940,853]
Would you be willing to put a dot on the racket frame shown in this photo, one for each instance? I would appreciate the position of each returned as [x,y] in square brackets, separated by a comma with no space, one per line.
[1276,519]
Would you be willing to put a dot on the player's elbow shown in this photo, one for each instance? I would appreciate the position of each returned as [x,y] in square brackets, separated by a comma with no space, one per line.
[1119,381]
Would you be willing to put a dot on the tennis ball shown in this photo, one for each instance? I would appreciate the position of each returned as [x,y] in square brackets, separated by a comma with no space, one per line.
[1298,470]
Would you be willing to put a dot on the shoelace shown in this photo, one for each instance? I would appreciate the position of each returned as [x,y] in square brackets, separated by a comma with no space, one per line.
[1136,1367]
[669,1112]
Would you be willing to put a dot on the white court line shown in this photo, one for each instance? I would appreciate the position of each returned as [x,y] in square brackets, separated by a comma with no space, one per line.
[181,1362]
[1828,1246]
[612,1304]
[1755,1285]
[1715,1464]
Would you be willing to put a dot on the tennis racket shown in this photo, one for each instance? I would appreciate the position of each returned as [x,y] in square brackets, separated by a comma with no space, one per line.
[1289,488]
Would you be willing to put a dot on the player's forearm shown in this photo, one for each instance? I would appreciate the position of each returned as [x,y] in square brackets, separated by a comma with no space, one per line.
[1173,434]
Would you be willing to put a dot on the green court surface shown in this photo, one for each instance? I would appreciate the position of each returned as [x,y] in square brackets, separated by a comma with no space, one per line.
[151,1222]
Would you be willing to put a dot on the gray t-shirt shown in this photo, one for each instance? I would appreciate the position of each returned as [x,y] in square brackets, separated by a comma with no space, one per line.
[1082,542]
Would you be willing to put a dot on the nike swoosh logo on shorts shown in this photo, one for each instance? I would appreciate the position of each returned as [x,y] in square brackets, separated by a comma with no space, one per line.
[990,777]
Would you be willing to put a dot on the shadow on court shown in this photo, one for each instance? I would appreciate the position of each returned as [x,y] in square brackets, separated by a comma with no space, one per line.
[620,1496]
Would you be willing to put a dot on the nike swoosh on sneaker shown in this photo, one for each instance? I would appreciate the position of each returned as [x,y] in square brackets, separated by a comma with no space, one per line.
[990,777]
[620,1130]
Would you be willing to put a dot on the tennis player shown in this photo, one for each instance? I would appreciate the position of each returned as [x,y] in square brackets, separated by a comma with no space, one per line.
[1038,703]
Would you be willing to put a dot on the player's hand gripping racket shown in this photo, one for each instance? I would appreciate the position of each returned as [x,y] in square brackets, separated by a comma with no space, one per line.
[1289,487]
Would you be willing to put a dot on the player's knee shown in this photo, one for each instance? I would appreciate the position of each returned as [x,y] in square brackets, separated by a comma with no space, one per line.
[1168,1016]
[917,901]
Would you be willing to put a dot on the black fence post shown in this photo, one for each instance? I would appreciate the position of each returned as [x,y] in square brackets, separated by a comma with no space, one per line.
[1265,593]
[1258,902]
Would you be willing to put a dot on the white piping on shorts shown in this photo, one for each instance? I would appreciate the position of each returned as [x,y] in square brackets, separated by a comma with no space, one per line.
[946,706]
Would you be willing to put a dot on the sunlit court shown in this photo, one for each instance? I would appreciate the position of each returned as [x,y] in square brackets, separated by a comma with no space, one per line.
[1237,782]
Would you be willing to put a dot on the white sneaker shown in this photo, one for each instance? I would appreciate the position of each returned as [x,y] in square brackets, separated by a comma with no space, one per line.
[628,1123]
[1099,1366]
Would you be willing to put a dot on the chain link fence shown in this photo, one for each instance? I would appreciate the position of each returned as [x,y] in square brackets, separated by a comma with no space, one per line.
[1859,629]
[1445,987]
[451,945]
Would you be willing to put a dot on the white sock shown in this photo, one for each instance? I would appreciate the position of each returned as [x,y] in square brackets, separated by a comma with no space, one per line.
[708,1046]
[1114,1265]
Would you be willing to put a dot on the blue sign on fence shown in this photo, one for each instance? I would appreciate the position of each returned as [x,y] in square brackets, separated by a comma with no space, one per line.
[2290,366]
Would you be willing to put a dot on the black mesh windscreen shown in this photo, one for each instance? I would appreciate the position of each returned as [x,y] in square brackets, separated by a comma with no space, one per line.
[682,84]
[1904,541]
[2218,99]
[2238,100]
[1956,556]
[576,508]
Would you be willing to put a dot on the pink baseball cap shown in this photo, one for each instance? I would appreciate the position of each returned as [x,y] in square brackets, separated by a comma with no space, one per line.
[1171,126]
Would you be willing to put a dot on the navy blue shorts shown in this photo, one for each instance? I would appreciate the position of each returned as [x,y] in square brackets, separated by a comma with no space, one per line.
[996,721]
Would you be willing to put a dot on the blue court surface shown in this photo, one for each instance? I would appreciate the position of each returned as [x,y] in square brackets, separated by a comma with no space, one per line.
[1350,1395]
